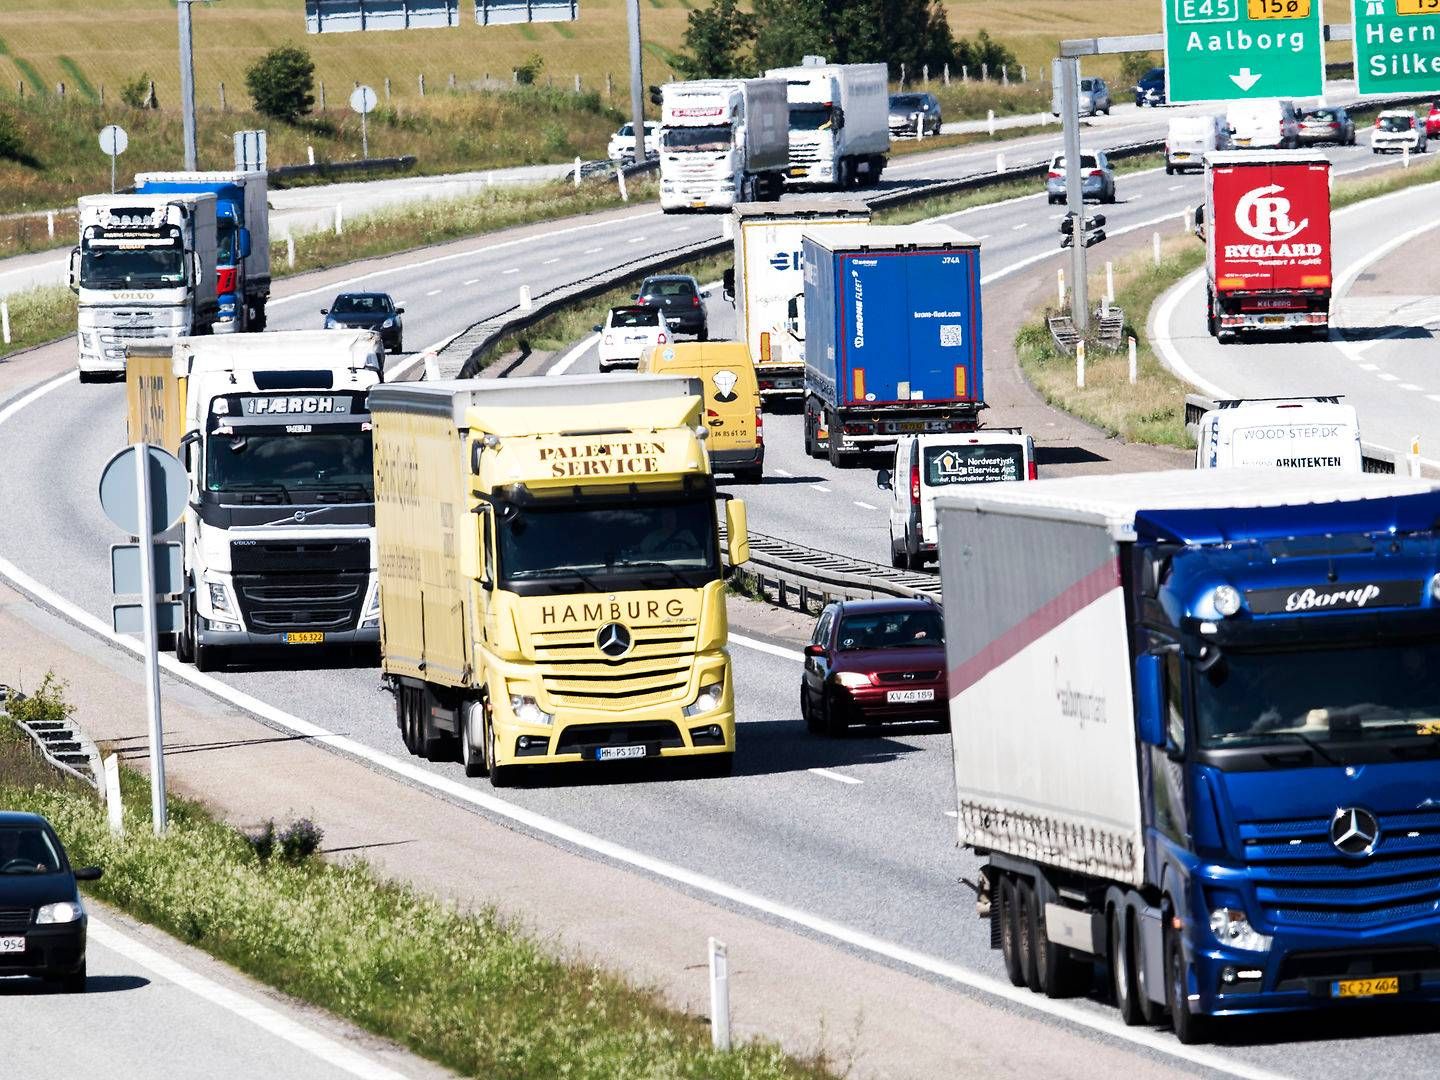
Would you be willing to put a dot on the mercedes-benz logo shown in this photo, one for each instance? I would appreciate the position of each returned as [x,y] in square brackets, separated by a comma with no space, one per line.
[1354,831]
[613,640]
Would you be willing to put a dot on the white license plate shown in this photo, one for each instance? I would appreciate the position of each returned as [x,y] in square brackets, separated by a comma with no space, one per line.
[12,944]
[618,753]
[906,697]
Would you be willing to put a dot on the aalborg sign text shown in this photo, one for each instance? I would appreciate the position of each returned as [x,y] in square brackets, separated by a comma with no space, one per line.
[1397,46]
[1222,50]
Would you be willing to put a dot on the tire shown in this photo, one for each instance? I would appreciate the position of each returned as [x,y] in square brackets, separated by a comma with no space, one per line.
[1190,1030]
[1212,323]
[73,982]
[1122,973]
[90,376]
[897,558]
[750,476]
[1169,169]
[207,657]
[1025,934]
[812,439]
[715,766]
[835,725]
[185,639]
[704,334]
[1060,972]
[808,714]
[501,776]
[407,718]
[1010,932]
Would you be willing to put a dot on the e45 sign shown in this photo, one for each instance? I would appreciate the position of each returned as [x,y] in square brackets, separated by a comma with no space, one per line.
[1228,50]
[1397,46]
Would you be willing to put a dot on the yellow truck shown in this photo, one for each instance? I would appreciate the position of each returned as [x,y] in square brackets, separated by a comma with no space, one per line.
[551,585]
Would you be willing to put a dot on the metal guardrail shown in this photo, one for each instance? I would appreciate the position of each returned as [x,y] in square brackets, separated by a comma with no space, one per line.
[328,169]
[61,744]
[1373,459]
[806,579]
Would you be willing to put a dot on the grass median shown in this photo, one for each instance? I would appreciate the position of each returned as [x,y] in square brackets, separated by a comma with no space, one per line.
[469,990]
[37,316]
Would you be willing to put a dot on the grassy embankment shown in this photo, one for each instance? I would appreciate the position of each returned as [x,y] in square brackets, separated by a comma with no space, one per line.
[469,990]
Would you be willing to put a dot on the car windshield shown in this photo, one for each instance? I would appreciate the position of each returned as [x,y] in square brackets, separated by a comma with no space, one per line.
[809,117]
[1342,694]
[132,268]
[361,304]
[1154,75]
[697,138]
[890,630]
[607,546]
[635,317]
[28,849]
[1088,85]
[1396,123]
[292,467]
[973,464]
[626,129]
[907,101]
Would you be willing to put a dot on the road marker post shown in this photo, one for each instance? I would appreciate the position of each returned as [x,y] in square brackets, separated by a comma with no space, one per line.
[990,121]
[620,179]
[727,227]
[1109,281]
[999,163]
[577,170]
[1134,365]
[1060,286]
[1155,243]
[310,153]
[5,321]
[114,807]
[1405,156]
[1080,365]
[50,223]
[526,304]
[719,995]
[290,251]
[339,219]
[1414,457]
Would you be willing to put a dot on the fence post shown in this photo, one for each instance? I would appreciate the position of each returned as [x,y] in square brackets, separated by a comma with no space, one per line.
[1024,77]
[1004,74]
[1080,365]
[964,73]
[5,321]
[310,153]
[1134,365]
[985,72]
[387,87]
[102,95]
[223,106]
[114,806]
[422,84]
[339,219]
[151,101]
[925,76]
[719,996]
[322,97]
[50,223]
[1155,243]
[947,73]
[609,86]
[577,82]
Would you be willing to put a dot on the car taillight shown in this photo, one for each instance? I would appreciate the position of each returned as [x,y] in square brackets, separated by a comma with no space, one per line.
[694,301]
[759,427]
[915,487]
[1096,172]
[1055,174]
[1031,474]
[659,339]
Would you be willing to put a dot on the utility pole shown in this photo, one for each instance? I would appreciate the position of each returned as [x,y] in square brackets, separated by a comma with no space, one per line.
[1074,190]
[637,101]
[187,83]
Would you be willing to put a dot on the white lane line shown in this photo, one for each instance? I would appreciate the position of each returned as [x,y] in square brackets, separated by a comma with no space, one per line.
[551,262]
[1174,187]
[262,1016]
[1017,228]
[472,281]
[820,488]
[781,472]
[1432,397]
[436,292]
[1387,376]
[865,505]
[983,236]
[952,813]
[1411,387]
[567,361]
[512,270]
[766,647]
[830,774]
[635,240]
[1134,198]
[592,251]
[1368,367]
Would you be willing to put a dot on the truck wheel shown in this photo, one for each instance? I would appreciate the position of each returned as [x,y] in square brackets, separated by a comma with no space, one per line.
[501,776]
[207,657]
[471,758]
[1212,324]
[434,746]
[1190,1029]
[1010,932]
[1122,975]
[1060,972]
[1025,934]
[185,639]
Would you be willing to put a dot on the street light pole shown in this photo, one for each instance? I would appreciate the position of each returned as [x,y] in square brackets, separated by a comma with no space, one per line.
[1074,191]
[187,83]
[637,101]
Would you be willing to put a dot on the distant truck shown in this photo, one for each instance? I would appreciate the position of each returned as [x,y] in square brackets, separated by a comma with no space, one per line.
[551,580]
[1194,718]
[722,142]
[892,336]
[1267,242]
[839,122]
[1318,434]
[767,286]
[242,217]
[144,270]
[279,534]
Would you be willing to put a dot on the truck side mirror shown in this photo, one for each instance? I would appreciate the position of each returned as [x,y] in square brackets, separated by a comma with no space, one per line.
[187,441]
[837,118]
[244,243]
[727,284]
[737,535]
[884,480]
[1150,699]
[197,272]
[75,270]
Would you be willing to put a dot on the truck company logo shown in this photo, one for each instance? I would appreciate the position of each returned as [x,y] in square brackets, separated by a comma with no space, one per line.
[1344,597]
[1078,705]
[787,260]
[725,381]
[603,459]
[289,406]
[600,611]
[859,310]
[1264,214]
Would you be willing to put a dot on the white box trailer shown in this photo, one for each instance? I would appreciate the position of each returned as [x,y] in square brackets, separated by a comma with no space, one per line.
[839,122]
[722,142]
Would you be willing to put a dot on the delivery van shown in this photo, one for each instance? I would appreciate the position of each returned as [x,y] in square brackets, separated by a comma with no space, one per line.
[1269,125]
[1308,434]
[1190,138]
[733,421]
[928,465]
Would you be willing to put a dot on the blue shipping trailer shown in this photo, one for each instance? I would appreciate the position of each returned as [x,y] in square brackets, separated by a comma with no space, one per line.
[892,335]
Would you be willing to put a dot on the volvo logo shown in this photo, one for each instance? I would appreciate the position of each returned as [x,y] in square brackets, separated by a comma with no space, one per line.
[613,640]
[1354,832]
[299,515]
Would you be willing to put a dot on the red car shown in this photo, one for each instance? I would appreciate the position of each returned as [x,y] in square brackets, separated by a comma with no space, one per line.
[1432,123]
[875,661]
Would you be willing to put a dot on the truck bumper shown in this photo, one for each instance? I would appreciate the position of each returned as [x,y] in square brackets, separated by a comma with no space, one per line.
[874,433]
[705,200]
[737,460]
[207,635]
[780,380]
[1278,321]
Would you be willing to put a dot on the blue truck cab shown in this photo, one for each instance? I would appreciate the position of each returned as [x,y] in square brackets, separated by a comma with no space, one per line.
[1237,808]
[893,342]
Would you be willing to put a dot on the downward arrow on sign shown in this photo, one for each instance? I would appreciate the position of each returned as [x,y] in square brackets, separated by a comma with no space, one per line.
[1245,80]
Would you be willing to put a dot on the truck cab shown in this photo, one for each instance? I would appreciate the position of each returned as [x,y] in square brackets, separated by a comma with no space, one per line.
[722,142]
[839,122]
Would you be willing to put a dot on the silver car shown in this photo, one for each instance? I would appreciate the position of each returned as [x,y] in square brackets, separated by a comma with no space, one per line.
[1098,178]
[912,113]
[1094,97]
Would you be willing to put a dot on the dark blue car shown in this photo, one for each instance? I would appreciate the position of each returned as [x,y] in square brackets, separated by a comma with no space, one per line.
[42,920]
[1150,90]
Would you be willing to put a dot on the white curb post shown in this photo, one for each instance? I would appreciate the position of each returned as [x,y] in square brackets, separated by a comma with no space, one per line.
[990,121]
[1080,365]
[114,808]
[5,321]
[1405,155]
[727,227]
[719,996]
[290,251]
[339,219]
[50,223]
[1134,364]
[577,171]
[1414,456]
[1155,243]
[620,179]
[310,152]
[1060,286]
[999,163]
[1109,282]
[525,302]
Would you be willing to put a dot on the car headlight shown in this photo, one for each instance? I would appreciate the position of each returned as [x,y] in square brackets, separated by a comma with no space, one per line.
[1231,926]
[220,598]
[852,679]
[388,324]
[64,911]
[527,710]
[709,698]
[330,324]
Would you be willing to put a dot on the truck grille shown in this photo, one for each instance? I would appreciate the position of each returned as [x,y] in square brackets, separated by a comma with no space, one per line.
[295,586]
[14,919]
[577,737]
[656,670]
[1302,880]
[804,155]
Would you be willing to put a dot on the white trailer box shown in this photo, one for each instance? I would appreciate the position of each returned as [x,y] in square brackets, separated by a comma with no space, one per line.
[723,141]
[839,122]
[1310,434]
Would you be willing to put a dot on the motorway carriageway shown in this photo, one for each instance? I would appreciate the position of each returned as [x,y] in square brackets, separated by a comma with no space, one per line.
[846,837]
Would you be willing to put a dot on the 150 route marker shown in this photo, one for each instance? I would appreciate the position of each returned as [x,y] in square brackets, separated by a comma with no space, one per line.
[1397,46]
[1226,50]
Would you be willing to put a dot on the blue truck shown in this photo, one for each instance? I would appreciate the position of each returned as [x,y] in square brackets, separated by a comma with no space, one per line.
[892,336]
[243,233]
[1197,736]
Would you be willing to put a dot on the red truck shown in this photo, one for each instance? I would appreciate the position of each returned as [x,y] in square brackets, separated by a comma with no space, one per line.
[1267,242]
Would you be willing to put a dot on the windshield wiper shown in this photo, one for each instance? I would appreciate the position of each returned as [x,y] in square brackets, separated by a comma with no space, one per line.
[554,572]
[675,575]
[359,491]
[257,489]
[1313,744]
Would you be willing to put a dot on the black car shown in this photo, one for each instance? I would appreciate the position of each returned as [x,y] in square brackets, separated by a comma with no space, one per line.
[912,113]
[42,921]
[678,295]
[1150,90]
[368,311]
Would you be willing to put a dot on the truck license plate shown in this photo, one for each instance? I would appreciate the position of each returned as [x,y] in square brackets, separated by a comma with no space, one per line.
[1273,320]
[618,753]
[305,637]
[1347,988]
[797,171]
[910,425]
[12,944]
[906,697]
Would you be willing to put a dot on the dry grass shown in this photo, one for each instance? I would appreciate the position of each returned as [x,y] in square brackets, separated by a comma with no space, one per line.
[38,316]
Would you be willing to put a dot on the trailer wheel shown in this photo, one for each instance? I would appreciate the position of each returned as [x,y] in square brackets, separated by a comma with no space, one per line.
[1122,972]
[812,433]
[1009,932]
[1025,934]
[1190,1029]
[1060,972]
[433,745]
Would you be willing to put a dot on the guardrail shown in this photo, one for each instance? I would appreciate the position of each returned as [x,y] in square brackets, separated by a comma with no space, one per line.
[806,580]
[1373,459]
[60,743]
[328,169]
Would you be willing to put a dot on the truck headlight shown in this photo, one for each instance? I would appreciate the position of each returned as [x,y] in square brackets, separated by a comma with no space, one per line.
[220,598]
[63,912]
[1227,600]
[371,618]
[709,698]
[527,710]
[1231,927]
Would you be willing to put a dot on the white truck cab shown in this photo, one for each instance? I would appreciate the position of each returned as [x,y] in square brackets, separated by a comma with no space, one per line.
[1319,434]
[928,465]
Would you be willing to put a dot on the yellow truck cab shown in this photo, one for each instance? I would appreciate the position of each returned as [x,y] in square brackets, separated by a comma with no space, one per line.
[550,574]
[732,400]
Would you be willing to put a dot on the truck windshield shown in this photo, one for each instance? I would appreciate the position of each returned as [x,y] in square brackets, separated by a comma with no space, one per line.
[132,268]
[607,546]
[810,117]
[973,464]
[697,138]
[225,234]
[1352,694]
[293,468]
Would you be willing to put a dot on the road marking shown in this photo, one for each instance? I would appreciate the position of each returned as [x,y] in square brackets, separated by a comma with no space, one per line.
[472,281]
[821,488]
[830,774]
[1411,387]
[865,505]
[983,236]
[568,360]
[1134,198]
[512,270]
[549,262]
[1387,376]
[592,251]
[1174,187]
[781,472]
[952,813]
[1432,397]
[635,240]
[247,1008]
[1022,225]
[432,292]
[1368,367]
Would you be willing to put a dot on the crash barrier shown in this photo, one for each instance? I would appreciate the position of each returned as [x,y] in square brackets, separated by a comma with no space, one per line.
[1373,459]
[328,169]
[60,742]
[805,579]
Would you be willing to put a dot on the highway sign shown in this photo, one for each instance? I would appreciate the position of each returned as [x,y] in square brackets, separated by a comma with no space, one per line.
[1397,46]
[120,498]
[125,569]
[1230,50]
[363,100]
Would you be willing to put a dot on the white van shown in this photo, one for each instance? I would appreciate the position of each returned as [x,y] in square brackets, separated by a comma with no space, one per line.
[1311,434]
[1190,138]
[925,465]
[1270,124]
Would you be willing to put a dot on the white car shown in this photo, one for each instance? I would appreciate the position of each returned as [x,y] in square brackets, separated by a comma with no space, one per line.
[629,331]
[622,143]
[1397,130]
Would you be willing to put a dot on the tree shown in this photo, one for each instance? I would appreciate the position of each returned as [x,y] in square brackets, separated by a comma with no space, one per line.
[1134,65]
[528,73]
[717,38]
[986,54]
[894,32]
[12,142]
[136,92]
[282,83]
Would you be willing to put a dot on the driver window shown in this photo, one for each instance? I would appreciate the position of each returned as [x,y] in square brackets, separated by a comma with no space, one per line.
[1174,703]
[487,549]
[822,627]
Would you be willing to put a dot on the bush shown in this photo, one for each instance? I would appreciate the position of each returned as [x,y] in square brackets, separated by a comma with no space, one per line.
[12,141]
[46,705]
[282,83]
[1135,64]
[986,54]
[529,71]
[136,93]
[295,843]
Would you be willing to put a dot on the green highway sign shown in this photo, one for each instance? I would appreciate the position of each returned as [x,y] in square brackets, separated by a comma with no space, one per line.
[1397,46]
[1228,50]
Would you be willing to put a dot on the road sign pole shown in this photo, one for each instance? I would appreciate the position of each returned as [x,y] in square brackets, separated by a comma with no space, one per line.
[364,138]
[637,102]
[1074,190]
[112,174]
[152,650]
[187,83]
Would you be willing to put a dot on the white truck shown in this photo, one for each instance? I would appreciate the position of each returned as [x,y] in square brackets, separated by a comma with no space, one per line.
[279,533]
[144,269]
[839,122]
[767,285]
[722,142]
[1316,434]
[242,214]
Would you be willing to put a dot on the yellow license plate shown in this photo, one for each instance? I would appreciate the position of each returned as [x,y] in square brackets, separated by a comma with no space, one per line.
[1273,320]
[1349,988]
[797,172]
[1280,9]
[910,425]
[305,637]
[1417,7]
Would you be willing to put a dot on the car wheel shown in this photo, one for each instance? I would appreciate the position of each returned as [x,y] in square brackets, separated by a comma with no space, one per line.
[703,334]
[834,720]
[808,713]
[73,982]
[1190,1029]
[1169,169]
